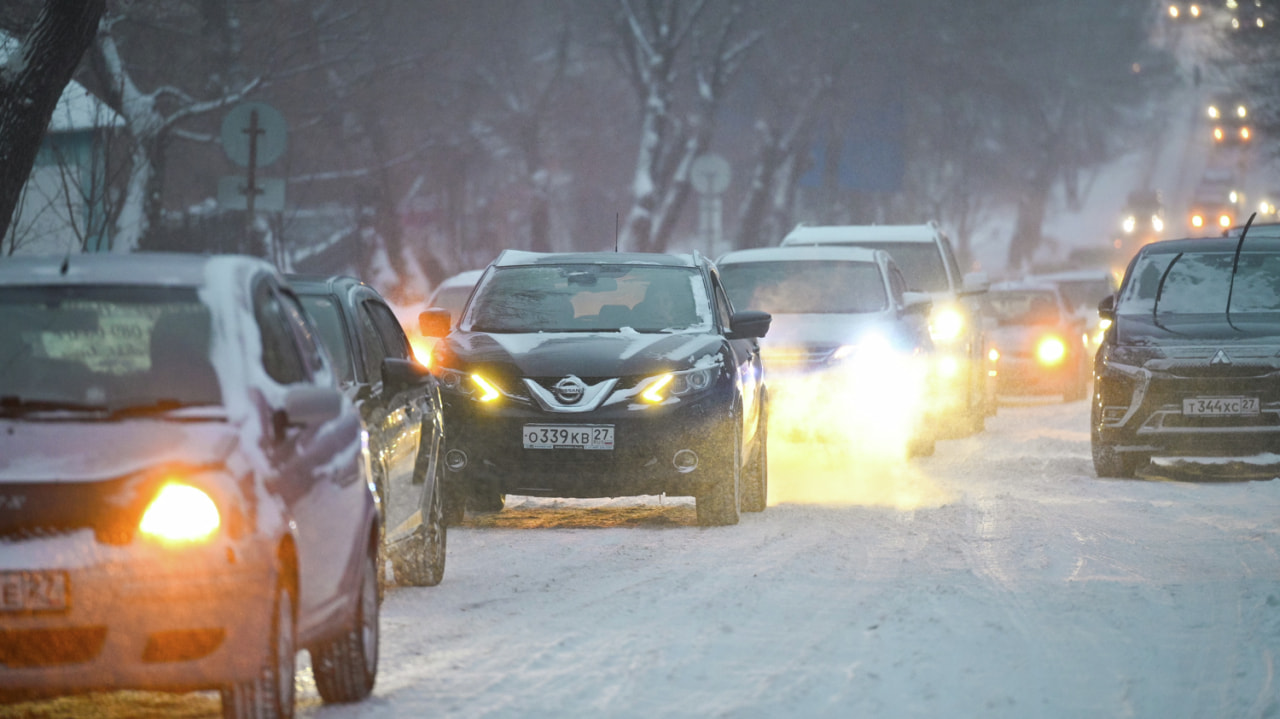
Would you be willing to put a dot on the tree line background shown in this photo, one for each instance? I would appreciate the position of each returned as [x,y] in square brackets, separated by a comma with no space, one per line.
[432,134]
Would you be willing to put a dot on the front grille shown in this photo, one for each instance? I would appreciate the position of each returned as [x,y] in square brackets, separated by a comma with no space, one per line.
[37,510]
[22,648]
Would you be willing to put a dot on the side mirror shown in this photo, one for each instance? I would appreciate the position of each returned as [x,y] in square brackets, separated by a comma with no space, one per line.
[749,324]
[1107,308]
[434,323]
[401,373]
[975,283]
[917,303]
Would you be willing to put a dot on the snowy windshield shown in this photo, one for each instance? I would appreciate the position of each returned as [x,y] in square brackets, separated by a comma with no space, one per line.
[805,287]
[586,298]
[324,311]
[1023,307]
[105,347]
[1199,282]
[920,262]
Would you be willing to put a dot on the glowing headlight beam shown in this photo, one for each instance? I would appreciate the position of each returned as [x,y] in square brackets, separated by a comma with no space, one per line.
[947,325]
[180,513]
[1051,350]
[654,393]
[488,392]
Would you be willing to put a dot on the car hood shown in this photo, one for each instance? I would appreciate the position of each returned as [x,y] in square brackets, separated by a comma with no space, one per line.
[62,451]
[820,330]
[1197,329]
[585,354]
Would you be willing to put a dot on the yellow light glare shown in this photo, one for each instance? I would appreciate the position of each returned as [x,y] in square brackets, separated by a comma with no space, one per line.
[488,392]
[948,367]
[1244,133]
[654,392]
[993,354]
[1241,111]
[1051,350]
[1213,112]
[947,325]
[1104,324]
[1173,11]
[1197,220]
[1233,196]
[421,351]
[1157,224]
[1195,11]
[1225,220]
[180,513]
[1217,134]
[1130,223]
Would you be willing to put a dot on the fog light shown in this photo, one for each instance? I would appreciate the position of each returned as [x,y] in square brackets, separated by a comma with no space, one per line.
[455,459]
[686,460]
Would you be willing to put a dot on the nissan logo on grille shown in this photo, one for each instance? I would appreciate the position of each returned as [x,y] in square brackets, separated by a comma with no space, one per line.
[569,390]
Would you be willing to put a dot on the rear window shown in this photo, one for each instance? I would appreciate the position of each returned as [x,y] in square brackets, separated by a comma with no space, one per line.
[805,287]
[921,263]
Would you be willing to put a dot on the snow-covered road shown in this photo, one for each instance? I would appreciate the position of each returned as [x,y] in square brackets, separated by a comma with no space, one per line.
[997,578]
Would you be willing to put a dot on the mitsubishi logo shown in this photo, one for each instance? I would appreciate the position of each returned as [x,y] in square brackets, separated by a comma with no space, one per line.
[12,501]
[569,390]
[1220,358]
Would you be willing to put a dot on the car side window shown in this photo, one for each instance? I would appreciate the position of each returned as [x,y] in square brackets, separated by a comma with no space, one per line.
[370,344]
[724,309]
[305,334]
[394,341]
[281,357]
[953,267]
[897,285]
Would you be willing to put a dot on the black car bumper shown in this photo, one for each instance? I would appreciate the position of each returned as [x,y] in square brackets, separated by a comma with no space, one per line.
[642,460]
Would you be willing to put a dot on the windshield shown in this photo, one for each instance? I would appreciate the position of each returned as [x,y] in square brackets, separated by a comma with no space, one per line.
[1023,307]
[1198,283]
[324,310]
[805,287]
[105,347]
[920,262]
[591,298]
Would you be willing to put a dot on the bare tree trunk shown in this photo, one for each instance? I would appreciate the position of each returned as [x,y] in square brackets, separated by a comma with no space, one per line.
[31,85]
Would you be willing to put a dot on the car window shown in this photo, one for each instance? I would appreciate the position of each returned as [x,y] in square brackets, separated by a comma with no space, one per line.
[591,298]
[107,346]
[1199,283]
[897,284]
[394,342]
[724,307]
[281,357]
[805,286]
[313,353]
[370,344]
[328,320]
[921,263]
[1023,307]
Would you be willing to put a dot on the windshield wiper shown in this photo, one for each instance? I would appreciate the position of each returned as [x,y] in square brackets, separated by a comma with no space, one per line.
[1235,264]
[15,406]
[154,407]
[1155,318]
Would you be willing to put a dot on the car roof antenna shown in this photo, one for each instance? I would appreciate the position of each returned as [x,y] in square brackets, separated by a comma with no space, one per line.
[1235,264]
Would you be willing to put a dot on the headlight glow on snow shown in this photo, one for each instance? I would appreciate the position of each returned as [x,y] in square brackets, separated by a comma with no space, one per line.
[947,324]
[180,513]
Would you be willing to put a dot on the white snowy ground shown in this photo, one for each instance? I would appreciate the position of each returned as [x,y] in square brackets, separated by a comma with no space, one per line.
[997,578]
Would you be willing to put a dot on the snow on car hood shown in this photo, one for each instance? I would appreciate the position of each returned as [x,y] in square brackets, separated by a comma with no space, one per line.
[585,354]
[89,451]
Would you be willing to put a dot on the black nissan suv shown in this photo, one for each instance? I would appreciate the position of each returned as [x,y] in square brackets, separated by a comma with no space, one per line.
[602,375]
[1190,365]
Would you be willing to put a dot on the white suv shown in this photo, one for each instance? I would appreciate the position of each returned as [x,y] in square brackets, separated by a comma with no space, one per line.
[957,322]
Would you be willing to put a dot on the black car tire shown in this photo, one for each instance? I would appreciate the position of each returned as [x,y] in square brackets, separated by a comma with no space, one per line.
[455,501]
[424,565]
[271,695]
[717,506]
[487,501]
[1107,462]
[346,668]
[755,477]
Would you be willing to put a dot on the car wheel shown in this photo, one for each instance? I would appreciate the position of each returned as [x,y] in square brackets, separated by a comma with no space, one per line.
[345,668]
[486,501]
[717,505]
[455,501]
[271,695]
[1107,462]
[424,564]
[755,477]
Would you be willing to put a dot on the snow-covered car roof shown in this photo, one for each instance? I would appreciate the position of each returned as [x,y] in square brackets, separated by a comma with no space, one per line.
[835,234]
[1023,286]
[510,258]
[141,268]
[799,252]
[1068,275]
[462,279]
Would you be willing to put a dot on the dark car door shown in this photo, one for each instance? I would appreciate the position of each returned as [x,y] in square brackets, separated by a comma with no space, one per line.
[317,467]
[407,415]
[748,368]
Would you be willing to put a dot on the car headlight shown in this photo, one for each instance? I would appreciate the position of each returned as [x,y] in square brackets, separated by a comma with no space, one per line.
[1130,224]
[658,388]
[1157,224]
[1051,350]
[871,348]
[180,513]
[946,324]
[470,384]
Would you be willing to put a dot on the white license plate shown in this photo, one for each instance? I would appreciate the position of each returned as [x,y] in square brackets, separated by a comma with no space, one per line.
[1220,406]
[568,436]
[34,591]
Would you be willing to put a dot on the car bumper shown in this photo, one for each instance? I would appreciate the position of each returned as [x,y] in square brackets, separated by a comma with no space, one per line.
[1142,411]
[138,617]
[1024,375]
[642,460]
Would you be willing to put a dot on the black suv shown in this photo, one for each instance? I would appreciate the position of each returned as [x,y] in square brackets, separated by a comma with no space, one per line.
[400,404]
[603,375]
[1191,363]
